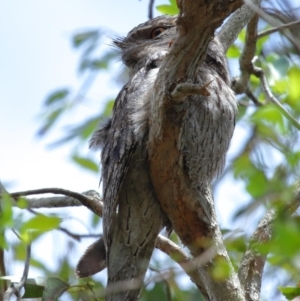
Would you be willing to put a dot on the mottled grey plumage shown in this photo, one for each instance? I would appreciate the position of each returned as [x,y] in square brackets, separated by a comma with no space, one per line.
[132,217]
[209,122]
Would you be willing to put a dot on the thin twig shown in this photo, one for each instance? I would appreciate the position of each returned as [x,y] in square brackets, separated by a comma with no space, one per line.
[16,288]
[77,237]
[150,9]
[57,201]
[26,269]
[165,281]
[253,261]
[240,84]
[162,243]
[88,201]
[249,93]
[260,74]
[278,28]
[180,257]
[271,20]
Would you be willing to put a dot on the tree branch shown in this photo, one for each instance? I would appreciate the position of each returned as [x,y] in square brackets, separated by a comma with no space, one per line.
[180,257]
[91,199]
[150,9]
[57,201]
[240,84]
[253,261]
[271,20]
[16,288]
[265,87]
[237,21]
[78,237]
[278,28]
[193,220]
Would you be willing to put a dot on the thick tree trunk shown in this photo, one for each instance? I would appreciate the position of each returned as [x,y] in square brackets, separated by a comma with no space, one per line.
[192,215]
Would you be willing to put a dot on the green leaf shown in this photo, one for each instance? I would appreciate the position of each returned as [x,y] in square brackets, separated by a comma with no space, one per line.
[269,114]
[257,185]
[108,108]
[95,220]
[103,62]
[34,287]
[78,288]
[280,86]
[260,44]
[167,9]
[156,293]
[242,35]
[36,263]
[290,292]
[242,166]
[282,64]
[22,203]
[233,52]
[242,112]
[293,98]
[81,38]
[51,120]
[254,80]
[88,127]
[287,234]
[221,269]
[98,64]
[272,73]
[33,291]
[54,288]
[238,244]
[86,163]
[41,223]
[293,158]
[256,181]
[83,131]
[6,213]
[57,96]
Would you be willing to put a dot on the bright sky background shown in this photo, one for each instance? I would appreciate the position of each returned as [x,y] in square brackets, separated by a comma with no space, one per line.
[36,57]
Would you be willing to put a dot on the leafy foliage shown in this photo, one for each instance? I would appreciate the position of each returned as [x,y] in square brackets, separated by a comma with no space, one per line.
[290,292]
[168,9]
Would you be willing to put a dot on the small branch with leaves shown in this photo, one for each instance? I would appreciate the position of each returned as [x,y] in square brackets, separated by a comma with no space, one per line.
[15,289]
[91,199]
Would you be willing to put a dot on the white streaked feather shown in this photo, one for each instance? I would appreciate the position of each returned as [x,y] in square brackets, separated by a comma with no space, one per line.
[140,105]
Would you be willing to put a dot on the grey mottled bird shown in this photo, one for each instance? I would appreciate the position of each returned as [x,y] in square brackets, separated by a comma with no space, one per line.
[132,216]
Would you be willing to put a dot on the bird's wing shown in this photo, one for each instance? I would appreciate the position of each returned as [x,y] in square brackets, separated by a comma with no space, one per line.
[116,156]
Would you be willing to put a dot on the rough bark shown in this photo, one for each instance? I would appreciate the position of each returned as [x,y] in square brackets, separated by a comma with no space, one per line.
[193,220]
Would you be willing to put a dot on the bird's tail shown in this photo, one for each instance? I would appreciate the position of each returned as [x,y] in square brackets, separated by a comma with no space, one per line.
[92,261]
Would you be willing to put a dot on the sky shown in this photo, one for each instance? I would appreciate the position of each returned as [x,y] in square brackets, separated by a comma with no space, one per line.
[36,57]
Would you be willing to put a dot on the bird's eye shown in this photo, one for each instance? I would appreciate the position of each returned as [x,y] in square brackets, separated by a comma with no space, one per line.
[156,32]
